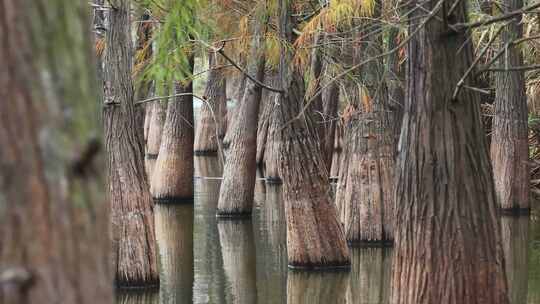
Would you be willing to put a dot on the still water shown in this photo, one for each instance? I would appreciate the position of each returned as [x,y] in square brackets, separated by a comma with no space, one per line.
[206,260]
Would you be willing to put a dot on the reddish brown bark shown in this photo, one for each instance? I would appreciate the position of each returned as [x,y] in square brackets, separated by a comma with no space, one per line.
[448,245]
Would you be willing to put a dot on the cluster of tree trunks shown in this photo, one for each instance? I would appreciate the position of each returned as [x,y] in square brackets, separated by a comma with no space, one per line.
[54,241]
[445,192]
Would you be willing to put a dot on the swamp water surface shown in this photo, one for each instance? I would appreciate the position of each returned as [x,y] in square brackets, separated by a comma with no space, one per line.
[208,260]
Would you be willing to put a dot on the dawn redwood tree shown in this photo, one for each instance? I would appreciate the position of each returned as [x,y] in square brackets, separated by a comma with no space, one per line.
[54,241]
[448,245]
[236,192]
[366,206]
[134,247]
[210,125]
[172,179]
[509,139]
[315,238]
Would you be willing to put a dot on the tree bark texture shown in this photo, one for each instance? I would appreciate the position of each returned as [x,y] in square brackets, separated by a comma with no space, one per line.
[172,179]
[143,55]
[268,100]
[315,238]
[213,111]
[54,241]
[156,119]
[509,139]
[134,247]
[174,230]
[238,251]
[338,150]
[395,81]
[368,198]
[448,245]
[236,193]
[330,101]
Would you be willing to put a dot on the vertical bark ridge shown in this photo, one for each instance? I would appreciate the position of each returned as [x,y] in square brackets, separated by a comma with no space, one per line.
[132,208]
[509,140]
[209,127]
[444,185]
[172,180]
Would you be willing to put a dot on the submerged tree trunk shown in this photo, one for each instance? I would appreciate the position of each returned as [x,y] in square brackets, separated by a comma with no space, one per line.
[132,208]
[236,193]
[213,111]
[515,238]
[238,251]
[316,288]
[445,192]
[54,241]
[509,140]
[172,179]
[370,276]
[174,230]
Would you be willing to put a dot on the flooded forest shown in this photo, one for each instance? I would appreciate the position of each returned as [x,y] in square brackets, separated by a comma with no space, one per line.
[270,151]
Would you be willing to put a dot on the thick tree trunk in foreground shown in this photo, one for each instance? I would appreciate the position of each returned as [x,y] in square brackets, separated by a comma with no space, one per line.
[174,230]
[209,127]
[238,251]
[448,245]
[156,120]
[54,241]
[132,208]
[509,140]
[515,238]
[172,180]
[236,193]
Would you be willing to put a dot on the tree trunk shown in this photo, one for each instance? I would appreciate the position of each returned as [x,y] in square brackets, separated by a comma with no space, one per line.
[509,140]
[448,245]
[268,100]
[515,238]
[271,156]
[395,81]
[338,151]
[236,193]
[213,111]
[232,115]
[315,238]
[132,208]
[143,54]
[367,204]
[238,251]
[172,180]
[156,120]
[174,230]
[330,100]
[54,241]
